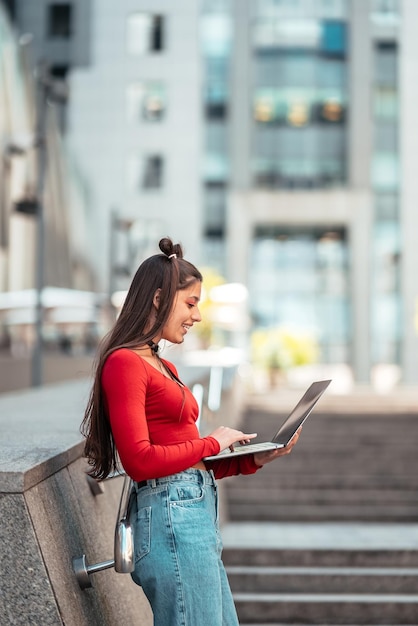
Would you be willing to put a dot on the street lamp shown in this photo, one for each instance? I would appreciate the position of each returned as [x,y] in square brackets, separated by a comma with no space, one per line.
[48,90]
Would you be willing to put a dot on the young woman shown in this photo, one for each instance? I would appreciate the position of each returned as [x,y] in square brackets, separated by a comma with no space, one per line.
[140,412]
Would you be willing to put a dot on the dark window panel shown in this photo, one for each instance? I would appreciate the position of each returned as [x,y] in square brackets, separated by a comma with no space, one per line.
[60,71]
[216,111]
[153,172]
[10,5]
[157,34]
[60,20]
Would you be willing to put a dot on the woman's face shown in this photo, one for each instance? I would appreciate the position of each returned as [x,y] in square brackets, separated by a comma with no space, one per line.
[184,314]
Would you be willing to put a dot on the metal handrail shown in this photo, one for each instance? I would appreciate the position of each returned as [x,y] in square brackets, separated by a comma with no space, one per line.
[124,557]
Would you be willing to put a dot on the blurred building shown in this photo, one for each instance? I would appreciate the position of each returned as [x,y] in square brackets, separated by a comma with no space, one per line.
[21,138]
[42,210]
[274,138]
[310,195]
[132,120]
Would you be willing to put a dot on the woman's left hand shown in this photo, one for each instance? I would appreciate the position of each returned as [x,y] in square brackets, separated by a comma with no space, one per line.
[261,458]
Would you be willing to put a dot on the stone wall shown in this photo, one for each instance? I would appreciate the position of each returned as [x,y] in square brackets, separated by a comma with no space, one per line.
[42,529]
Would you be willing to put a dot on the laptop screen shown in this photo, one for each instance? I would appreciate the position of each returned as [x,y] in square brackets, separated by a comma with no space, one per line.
[300,412]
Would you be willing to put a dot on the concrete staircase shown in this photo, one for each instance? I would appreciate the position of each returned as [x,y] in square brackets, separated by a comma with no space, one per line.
[329,534]
[324,586]
[360,467]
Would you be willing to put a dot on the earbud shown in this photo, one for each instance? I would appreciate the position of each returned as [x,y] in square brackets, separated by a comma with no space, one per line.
[154,346]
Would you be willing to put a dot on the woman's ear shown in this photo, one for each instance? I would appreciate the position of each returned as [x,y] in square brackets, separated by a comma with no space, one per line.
[156,298]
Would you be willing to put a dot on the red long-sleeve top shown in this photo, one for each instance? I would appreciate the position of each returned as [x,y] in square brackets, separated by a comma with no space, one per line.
[153,421]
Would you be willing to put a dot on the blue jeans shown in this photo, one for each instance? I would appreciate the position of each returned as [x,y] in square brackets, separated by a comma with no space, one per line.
[178,551]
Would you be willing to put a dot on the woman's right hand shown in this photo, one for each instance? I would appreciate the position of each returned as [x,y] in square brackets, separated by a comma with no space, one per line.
[226,437]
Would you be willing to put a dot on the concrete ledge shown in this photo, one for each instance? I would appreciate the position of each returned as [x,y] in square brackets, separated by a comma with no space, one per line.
[40,433]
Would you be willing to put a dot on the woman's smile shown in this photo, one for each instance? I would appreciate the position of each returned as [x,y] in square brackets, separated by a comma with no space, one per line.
[185,306]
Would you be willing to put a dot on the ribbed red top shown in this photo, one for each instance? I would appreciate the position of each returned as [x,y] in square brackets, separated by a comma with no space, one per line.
[153,421]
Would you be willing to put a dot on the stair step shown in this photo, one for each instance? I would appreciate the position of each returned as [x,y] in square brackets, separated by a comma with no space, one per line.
[323,579]
[264,512]
[324,609]
[323,480]
[351,558]
[338,471]
[324,495]
[350,554]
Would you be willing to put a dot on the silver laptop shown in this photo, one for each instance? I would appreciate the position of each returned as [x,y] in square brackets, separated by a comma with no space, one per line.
[287,430]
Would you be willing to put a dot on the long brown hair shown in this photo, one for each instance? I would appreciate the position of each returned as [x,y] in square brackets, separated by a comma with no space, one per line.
[139,321]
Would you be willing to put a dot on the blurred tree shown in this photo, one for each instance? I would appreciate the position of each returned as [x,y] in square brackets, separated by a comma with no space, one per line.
[206,329]
[277,349]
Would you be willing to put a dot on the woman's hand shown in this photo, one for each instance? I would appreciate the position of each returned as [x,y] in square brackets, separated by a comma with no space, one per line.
[261,458]
[226,437]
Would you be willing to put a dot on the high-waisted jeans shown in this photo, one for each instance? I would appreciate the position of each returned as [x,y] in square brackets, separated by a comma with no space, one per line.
[178,551]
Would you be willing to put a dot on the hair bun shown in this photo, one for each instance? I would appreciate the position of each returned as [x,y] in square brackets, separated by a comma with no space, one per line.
[168,248]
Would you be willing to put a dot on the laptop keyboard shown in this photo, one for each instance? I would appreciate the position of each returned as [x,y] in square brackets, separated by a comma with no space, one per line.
[255,446]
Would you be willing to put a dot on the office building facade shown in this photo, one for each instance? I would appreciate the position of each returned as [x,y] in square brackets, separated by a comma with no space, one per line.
[317,204]
[275,138]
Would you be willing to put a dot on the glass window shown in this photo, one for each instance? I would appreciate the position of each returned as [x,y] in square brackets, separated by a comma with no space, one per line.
[328,36]
[216,87]
[216,34]
[216,137]
[60,20]
[385,6]
[146,172]
[385,12]
[300,280]
[146,101]
[333,8]
[387,238]
[329,110]
[285,69]
[333,37]
[10,5]
[153,172]
[386,206]
[60,71]
[386,58]
[145,33]
[310,157]
[309,142]
[215,167]
[216,107]
[216,6]
[302,8]
[285,33]
[299,69]
[385,171]
[386,137]
[213,252]
[386,102]
[298,107]
[331,73]
[298,173]
[215,206]
[279,8]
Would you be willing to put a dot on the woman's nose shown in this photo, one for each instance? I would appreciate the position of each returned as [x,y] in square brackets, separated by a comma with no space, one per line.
[196,315]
